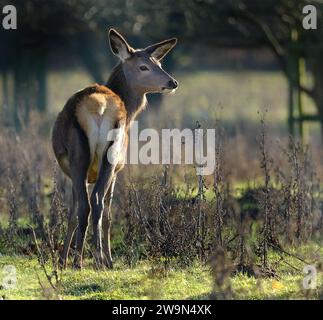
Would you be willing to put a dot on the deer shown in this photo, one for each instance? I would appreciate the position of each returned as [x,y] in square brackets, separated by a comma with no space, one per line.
[85,152]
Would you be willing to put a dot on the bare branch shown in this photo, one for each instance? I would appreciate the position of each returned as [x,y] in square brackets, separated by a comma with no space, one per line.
[308,91]
[273,42]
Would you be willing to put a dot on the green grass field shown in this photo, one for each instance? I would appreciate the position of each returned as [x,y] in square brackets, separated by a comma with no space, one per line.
[147,281]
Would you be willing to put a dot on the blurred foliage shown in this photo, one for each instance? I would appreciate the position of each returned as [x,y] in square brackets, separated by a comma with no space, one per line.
[78,29]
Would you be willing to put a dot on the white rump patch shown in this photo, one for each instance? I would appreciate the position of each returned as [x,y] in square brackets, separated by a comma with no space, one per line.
[115,151]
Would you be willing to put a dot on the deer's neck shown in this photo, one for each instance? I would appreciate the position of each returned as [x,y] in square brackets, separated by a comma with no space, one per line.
[134,102]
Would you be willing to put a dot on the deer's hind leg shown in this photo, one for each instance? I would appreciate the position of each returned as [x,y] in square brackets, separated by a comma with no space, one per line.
[83,211]
[99,192]
[79,159]
[104,183]
[72,224]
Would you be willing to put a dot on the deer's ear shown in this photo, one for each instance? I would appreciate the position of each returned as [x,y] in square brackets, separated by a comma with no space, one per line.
[119,45]
[159,50]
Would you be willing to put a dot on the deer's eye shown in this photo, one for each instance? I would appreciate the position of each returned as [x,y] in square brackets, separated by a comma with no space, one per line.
[143,68]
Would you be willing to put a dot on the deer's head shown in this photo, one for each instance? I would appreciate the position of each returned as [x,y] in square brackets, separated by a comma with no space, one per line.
[142,67]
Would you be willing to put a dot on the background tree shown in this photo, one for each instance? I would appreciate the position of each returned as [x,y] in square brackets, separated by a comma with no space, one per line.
[79,29]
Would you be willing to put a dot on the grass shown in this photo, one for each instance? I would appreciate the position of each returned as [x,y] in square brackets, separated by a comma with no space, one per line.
[141,282]
[146,281]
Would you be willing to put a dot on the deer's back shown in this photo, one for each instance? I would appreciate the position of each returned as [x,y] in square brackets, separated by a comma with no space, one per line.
[92,112]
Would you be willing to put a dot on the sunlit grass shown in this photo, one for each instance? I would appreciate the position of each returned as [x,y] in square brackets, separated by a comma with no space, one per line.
[231,96]
[148,281]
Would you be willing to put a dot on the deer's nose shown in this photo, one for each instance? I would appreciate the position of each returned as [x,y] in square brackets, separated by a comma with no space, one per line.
[173,84]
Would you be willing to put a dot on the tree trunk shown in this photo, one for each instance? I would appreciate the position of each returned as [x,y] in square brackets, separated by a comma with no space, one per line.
[317,69]
[41,82]
[22,90]
[5,89]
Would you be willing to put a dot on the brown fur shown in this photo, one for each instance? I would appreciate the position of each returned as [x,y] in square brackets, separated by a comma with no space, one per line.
[96,100]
